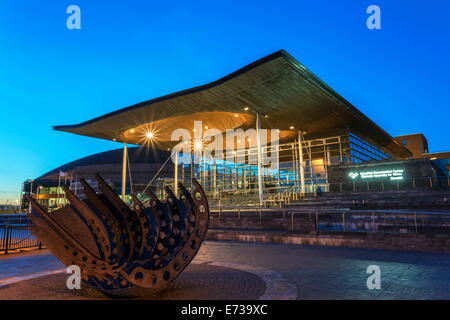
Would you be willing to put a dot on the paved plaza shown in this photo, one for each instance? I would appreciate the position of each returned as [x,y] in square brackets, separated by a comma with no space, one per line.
[316,272]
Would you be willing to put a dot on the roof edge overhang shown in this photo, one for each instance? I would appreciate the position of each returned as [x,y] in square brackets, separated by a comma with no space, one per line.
[393,146]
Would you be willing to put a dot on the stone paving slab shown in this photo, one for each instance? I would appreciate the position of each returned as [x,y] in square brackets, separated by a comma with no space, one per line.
[20,264]
[197,282]
[317,272]
[322,272]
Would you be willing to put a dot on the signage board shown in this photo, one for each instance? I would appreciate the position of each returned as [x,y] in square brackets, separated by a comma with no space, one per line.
[385,174]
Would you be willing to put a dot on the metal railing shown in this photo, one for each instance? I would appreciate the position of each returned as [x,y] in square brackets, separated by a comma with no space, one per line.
[14,219]
[384,221]
[435,182]
[335,220]
[17,237]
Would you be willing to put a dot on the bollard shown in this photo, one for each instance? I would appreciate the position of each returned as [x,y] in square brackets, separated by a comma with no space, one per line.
[292,221]
[343,221]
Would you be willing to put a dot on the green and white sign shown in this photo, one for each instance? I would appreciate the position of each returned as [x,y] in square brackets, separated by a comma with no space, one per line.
[391,174]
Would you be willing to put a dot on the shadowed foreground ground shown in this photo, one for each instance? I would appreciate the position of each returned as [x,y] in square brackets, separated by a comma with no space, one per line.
[317,272]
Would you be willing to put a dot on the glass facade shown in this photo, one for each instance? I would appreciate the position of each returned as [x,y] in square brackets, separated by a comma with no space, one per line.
[287,171]
[235,180]
[362,151]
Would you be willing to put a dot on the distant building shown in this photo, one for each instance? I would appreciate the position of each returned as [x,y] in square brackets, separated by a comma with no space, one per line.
[144,164]
[418,145]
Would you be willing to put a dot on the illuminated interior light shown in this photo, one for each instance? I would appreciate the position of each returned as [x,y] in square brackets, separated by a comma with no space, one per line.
[291,127]
[150,135]
[198,145]
[132,130]
[246,108]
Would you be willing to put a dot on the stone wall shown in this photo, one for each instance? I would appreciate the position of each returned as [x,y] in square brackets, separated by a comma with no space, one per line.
[265,221]
[434,243]
[301,229]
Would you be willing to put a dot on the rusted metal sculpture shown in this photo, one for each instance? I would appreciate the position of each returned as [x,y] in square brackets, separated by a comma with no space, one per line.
[120,249]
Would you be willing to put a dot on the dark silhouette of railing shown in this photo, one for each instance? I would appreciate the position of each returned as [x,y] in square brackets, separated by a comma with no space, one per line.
[17,237]
[332,220]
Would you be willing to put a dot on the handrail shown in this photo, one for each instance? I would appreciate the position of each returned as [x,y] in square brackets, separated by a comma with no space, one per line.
[327,211]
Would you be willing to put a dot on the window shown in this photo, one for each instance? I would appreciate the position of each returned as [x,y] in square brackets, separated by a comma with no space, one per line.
[404,142]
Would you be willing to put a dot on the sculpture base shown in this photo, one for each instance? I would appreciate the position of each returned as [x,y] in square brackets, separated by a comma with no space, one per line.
[197,282]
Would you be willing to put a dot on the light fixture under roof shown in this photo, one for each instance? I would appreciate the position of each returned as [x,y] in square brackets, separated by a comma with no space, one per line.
[149,135]
[198,145]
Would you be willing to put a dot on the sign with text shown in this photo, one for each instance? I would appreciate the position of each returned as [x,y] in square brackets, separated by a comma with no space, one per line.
[391,174]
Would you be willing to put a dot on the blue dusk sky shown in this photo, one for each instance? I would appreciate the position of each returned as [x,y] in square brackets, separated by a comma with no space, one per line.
[130,51]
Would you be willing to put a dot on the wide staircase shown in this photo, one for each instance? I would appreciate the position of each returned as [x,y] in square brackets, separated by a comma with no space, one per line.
[430,200]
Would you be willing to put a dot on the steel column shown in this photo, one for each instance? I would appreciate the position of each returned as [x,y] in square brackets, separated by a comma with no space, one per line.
[124,170]
[258,145]
[302,167]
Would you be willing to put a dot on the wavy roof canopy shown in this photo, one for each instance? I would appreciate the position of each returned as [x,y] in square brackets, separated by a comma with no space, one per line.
[277,86]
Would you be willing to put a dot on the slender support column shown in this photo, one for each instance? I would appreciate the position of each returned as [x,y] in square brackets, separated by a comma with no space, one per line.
[31,194]
[302,167]
[175,180]
[214,178]
[124,170]
[37,195]
[21,197]
[258,145]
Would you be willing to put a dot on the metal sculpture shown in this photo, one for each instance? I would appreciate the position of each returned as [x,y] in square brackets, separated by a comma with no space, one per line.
[120,249]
